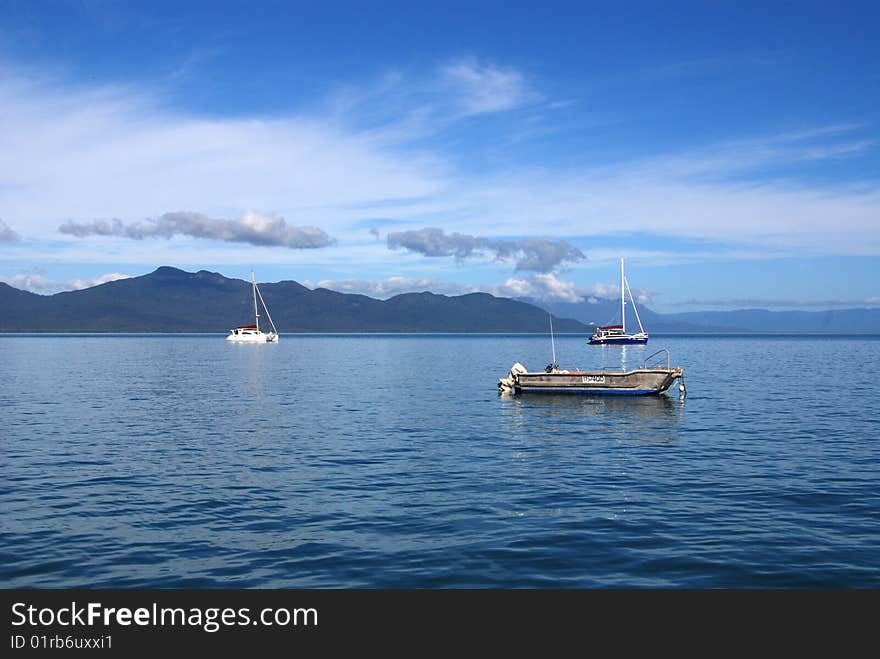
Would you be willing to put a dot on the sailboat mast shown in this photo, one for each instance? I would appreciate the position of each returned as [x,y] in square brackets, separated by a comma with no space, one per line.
[622,300]
[256,312]
[552,342]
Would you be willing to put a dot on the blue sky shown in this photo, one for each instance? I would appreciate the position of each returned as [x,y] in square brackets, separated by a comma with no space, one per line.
[728,150]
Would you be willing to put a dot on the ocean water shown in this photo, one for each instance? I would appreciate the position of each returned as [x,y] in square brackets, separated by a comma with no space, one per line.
[337,461]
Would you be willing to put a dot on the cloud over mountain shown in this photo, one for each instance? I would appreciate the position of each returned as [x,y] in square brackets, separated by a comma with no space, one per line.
[37,282]
[546,287]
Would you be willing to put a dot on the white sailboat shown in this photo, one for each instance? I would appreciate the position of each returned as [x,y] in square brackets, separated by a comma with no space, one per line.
[616,334]
[252,333]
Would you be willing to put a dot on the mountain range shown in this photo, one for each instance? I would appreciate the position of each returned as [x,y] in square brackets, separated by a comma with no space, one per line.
[172,300]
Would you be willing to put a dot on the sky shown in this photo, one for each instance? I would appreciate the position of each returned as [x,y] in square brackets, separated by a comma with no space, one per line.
[729,151]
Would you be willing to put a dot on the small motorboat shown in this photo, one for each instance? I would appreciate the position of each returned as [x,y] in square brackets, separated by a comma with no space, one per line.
[643,381]
[652,377]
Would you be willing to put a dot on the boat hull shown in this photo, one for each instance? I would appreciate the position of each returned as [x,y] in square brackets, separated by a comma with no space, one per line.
[618,340]
[253,338]
[639,382]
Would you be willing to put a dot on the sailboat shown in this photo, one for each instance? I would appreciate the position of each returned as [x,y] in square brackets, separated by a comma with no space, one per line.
[616,334]
[252,333]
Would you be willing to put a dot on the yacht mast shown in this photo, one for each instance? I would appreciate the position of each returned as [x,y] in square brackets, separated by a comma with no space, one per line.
[256,312]
[622,301]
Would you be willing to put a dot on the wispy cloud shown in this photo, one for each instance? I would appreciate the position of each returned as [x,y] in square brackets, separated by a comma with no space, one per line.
[484,88]
[761,213]
[80,153]
[250,228]
[39,283]
[407,107]
[7,235]
[538,254]
[730,158]
[84,153]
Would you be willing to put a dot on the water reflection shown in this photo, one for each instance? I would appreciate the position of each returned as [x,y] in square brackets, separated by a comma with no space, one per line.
[639,420]
[662,407]
[620,357]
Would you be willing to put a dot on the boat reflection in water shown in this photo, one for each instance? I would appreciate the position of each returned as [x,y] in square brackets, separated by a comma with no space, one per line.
[642,420]
[656,408]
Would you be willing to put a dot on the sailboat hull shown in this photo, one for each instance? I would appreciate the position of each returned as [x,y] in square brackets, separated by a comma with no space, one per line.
[618,340]
[253,338]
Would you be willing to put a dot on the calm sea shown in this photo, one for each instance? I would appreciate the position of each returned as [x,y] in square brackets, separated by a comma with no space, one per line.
[392,461]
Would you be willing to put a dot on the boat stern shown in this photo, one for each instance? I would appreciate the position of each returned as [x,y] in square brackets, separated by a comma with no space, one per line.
[509,384]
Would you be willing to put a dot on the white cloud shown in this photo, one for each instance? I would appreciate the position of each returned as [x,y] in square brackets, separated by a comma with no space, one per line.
[540,287]
[39,283]
[549,288]
[77,284]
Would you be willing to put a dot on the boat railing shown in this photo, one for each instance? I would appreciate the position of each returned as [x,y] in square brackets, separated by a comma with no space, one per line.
[659,361]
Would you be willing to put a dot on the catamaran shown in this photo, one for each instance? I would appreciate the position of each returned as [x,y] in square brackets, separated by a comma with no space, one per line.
[617,334]
[252,333]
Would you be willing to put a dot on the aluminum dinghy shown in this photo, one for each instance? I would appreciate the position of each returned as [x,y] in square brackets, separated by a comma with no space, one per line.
[645,380]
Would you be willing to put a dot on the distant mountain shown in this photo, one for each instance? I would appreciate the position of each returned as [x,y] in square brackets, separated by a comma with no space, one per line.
[171,300]
[856,321]
[607,312]
[603,312]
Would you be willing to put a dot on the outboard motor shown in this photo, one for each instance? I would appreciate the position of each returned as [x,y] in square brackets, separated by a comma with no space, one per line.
[508,383]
